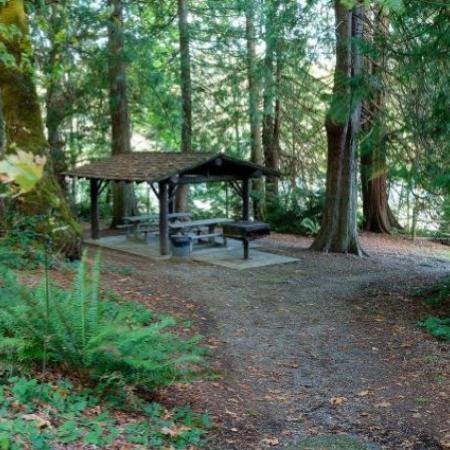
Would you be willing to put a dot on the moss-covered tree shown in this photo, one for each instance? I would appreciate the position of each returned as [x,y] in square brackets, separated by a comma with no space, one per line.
[24,128]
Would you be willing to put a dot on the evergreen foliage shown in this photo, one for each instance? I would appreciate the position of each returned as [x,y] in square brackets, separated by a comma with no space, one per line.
[101,339]
[439,298]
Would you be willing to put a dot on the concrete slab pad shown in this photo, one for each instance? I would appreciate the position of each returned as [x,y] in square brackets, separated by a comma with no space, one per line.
[122,244]
[230,256]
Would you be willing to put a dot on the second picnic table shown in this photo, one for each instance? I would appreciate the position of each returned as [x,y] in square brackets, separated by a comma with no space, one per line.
[146,223]
[195,226]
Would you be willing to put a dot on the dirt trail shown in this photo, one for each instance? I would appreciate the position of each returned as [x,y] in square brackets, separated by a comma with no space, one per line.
[290,340]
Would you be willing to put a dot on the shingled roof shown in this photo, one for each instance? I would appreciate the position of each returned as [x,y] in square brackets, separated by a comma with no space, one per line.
[158,166]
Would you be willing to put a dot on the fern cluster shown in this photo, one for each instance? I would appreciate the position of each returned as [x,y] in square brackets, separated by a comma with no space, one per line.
[77,330]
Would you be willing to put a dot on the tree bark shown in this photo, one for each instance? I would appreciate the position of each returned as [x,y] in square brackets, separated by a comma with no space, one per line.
[257,156]
[124,203]
[55,99]
[24,130]
[186,94]
[271,96]
[378,216]
[2,129]
[2,152]
[339,227]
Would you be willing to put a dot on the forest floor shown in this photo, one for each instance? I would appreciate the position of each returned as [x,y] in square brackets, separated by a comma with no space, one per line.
[325,345]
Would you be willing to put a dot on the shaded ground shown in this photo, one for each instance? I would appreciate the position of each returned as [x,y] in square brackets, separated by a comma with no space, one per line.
[324,345]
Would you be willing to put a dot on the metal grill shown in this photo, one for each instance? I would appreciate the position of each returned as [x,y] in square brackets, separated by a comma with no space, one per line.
[246,231]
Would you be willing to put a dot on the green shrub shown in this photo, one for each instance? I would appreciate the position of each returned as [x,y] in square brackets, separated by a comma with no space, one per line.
[21,245]
[103,339]
[437,327]
[299,212]
[438,295]
[42,415]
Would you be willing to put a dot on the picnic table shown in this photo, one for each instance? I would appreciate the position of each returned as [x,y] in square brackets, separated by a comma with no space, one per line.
[146,223]
[195,228]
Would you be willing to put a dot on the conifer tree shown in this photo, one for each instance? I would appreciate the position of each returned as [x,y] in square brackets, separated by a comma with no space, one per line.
[24,127]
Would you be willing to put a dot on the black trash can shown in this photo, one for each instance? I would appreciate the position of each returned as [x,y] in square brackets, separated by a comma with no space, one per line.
[181,245]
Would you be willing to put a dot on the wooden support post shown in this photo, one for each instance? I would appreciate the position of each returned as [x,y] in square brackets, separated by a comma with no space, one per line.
[246,199]
[164,218]
[95,215]
[246,248]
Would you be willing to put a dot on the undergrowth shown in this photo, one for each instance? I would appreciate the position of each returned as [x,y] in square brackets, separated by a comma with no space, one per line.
[437,297]
[299,212]
[21,245]
[101,339]
[44,415]
[437,327]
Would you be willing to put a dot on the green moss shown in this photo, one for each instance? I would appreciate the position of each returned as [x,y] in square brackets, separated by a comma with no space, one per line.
[24,129]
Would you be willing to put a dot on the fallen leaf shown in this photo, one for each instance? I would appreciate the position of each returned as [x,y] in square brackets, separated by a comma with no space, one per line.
[40,421]
[445,442]
[338,401]
[383,404]
[270,441]
[174,431]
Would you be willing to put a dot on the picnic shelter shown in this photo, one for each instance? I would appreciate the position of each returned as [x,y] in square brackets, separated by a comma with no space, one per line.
[165,172]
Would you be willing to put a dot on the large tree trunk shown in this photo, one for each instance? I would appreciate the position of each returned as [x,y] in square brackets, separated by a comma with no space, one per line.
[124,203]
[339,227]
[378,217]
[24,130]
[253,106]
[270,96]
[186,95]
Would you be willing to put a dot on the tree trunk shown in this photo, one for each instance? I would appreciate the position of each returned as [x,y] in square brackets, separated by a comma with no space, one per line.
[2,152]
[186,95]
[269,92]
[24,130]
[253,106]
[378,216]
[339,227]
[2,129]
[124,203]
[55,98]
[274,160]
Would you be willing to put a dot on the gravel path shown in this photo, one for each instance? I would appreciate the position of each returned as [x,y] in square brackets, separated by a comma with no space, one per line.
[324,345]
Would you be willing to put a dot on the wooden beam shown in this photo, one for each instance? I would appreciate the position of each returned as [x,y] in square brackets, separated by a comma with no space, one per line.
[155,191]
[102,186]
[194,179]
[95,214]
[164,218]
[236,188]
